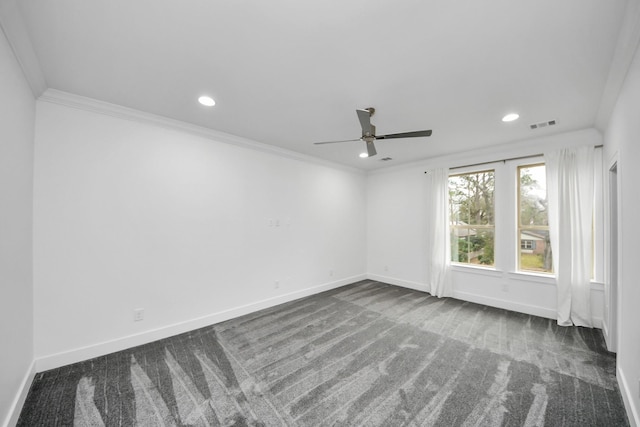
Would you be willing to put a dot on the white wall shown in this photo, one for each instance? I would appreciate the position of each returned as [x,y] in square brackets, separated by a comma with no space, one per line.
[397,236]
[622,143]
[130,214]
[17,116]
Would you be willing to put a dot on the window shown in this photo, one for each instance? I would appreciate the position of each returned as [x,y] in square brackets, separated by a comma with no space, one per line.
[527,244]
[511,235]
[533,221]
[471,216]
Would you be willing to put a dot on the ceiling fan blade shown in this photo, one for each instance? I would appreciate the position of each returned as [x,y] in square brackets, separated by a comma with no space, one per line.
[406,134]
[371,149]
[365,121]
[335,142]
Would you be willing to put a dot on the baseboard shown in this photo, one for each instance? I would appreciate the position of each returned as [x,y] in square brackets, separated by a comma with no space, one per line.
[21,396]
[627,393]
[507,305]
[100,349]
[548,313]
[479,299]
[399,282]
[533,310]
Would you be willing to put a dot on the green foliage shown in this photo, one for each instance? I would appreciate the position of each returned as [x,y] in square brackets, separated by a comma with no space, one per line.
[463,250]
[479,248]
[487,253]
[535,262]
[531,262]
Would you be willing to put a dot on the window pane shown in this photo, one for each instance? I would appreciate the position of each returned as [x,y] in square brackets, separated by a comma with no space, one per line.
[472,246]
[533,220]
[471,214]
[535,251]
[471,198]
[533,196]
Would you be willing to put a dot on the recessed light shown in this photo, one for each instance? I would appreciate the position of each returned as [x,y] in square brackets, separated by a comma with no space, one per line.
[206,100]
[510,117]
[364,155]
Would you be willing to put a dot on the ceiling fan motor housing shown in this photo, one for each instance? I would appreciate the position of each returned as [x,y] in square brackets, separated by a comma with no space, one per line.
[372,132]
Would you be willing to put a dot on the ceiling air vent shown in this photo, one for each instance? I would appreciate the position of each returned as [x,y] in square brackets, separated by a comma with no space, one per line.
[543,124]
[385,159]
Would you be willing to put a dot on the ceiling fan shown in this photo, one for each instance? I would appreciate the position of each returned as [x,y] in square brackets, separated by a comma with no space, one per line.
[369,132]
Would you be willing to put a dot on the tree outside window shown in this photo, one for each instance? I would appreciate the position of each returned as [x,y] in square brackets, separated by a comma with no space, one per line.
[471,216]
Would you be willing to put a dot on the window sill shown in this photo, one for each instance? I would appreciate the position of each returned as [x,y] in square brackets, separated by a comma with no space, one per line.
[546,279]
[475,269]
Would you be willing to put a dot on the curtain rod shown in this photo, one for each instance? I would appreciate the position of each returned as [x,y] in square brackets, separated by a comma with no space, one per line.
[504,160]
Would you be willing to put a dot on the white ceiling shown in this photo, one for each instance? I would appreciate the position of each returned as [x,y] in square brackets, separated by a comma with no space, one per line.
[288,73]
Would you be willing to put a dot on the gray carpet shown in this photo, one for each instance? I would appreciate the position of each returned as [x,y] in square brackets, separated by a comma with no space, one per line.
[366,354]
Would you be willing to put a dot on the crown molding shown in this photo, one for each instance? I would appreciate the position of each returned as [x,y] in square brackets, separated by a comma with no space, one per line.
[628,42]
[12,25]
[67,99]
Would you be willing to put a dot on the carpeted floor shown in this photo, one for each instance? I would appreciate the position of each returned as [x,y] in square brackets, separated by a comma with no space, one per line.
[367,354]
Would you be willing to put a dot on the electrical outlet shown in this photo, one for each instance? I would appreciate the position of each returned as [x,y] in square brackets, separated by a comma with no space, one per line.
[138,314]
[331,273]
[276,284]
[505,287]
[386,268]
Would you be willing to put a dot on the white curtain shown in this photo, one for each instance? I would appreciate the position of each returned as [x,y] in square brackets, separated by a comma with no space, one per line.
[570,189]
[439,255]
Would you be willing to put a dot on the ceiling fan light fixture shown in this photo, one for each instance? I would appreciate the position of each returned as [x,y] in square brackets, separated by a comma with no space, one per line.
[207,101]
[511,117]
[364,155]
